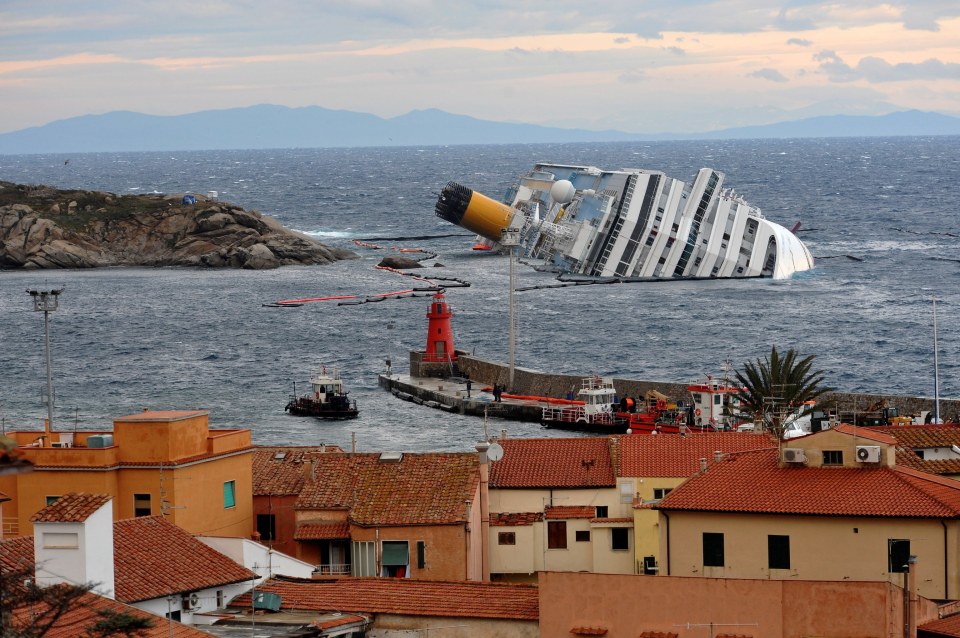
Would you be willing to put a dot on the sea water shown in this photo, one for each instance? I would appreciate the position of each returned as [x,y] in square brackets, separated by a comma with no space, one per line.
[879,216]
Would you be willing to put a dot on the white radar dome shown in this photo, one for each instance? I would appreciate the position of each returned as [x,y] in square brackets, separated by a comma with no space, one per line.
[562,191]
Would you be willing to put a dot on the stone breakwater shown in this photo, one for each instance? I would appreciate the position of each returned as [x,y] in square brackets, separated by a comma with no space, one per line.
[532,382]
[42,227]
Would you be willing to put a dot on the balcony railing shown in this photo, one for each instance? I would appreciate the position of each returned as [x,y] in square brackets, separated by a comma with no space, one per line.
[332,569]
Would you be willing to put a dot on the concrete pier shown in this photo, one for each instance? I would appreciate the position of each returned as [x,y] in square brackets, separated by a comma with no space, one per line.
[451,393]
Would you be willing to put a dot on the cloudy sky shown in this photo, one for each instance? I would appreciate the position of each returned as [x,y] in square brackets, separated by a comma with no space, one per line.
[632,65]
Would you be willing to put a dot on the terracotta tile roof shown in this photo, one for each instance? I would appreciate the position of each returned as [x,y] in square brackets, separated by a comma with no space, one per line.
[72,507]
[672,455]
[83,615]
[940,466]
[281,471]
[554,512]
[16,553]
[949,626]
[511,519]
[406,596]
[419,489]
[752,482]
[556,462]
[612,520]
[154,558]
[320,531]
[922,436]
[872,434]
[347,619]
[657,634]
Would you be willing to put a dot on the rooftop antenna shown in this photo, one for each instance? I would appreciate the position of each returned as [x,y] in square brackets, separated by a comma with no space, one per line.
[47,301]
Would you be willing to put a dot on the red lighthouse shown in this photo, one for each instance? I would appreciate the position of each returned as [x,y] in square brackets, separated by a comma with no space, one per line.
[439,333]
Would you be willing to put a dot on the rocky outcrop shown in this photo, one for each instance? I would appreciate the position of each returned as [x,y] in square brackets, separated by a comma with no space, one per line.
[41,227]
[400,263]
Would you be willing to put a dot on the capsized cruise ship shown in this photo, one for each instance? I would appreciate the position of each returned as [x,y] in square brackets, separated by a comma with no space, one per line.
[630,223]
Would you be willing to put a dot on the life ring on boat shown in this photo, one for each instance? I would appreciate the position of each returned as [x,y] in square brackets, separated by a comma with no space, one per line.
[697,411]
[661,404]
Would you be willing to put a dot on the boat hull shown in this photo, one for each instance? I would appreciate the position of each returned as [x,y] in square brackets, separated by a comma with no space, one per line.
[309,407]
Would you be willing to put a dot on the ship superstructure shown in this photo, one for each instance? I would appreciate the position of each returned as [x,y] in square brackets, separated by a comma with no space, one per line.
[631,223]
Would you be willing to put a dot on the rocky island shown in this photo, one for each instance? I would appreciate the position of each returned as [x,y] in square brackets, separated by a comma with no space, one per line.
[43,227]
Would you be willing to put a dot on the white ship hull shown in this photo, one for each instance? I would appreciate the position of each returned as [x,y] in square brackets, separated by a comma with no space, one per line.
[631,223]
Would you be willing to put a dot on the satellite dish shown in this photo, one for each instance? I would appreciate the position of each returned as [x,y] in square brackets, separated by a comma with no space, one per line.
[495,452]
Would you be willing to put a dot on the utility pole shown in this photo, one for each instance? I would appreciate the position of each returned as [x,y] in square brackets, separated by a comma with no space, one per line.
[47,301]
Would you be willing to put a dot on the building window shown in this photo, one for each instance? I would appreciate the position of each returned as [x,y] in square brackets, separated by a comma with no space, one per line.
[778,552]
[421,554]
[267,527]
[603,511]
[364,559]
[626,493]
[661,492]
[229,494]
[141,505]
[52,499]
[712,549]
[619,539]
[898,555]
[833,457]
[582,536]
[220,600]
[507,538]
[395,558]
[556,534]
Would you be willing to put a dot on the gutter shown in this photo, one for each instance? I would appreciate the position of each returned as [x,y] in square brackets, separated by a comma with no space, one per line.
[667,516]
[946,560]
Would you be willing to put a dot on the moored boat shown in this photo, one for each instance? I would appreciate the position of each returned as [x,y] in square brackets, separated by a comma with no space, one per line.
[713,408]
[327,398]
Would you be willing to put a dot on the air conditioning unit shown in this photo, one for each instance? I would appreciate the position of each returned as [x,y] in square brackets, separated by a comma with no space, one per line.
[868,453]
[190,603]
[794,455]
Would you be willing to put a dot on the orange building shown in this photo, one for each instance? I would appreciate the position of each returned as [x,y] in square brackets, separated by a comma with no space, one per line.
[153,462]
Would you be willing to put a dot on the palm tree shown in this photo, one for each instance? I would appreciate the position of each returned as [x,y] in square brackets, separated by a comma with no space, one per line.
[779,386]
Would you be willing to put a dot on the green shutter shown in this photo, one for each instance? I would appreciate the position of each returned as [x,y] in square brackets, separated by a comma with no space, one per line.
[229,494]
[395,553]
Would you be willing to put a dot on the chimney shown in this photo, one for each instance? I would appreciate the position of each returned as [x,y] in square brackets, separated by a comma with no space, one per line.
[717,456]
[308,472]
[703,465]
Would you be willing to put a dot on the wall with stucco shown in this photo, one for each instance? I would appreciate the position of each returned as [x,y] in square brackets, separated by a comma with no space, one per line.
[625,606]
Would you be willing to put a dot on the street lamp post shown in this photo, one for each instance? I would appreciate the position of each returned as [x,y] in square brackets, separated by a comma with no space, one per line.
[47,301]
[510,238]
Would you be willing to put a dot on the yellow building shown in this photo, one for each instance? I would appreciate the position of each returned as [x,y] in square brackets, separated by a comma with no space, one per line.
[652,466]
[152,462]
[830,506]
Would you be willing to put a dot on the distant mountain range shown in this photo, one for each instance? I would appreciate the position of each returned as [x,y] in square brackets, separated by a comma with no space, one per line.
[272,126]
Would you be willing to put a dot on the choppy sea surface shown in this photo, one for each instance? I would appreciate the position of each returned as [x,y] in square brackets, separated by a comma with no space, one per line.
[880,216]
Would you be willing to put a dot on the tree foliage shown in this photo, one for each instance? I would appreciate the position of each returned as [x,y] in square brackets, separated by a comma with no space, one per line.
[778,388]
[30,611]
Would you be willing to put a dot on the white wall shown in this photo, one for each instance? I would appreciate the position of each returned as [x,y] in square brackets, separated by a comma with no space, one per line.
[258,557]
[77,553]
